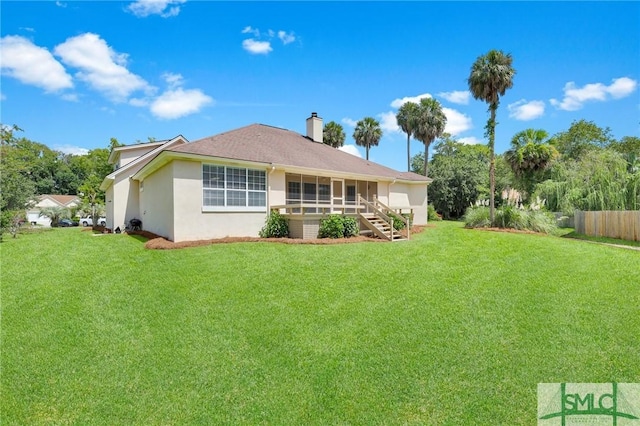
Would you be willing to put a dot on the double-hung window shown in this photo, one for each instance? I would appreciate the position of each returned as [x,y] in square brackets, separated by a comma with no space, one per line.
[233,189]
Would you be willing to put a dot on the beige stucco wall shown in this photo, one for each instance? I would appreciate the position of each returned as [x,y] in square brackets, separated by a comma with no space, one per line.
[173,208]
[124,200]
[277,187]
[403,195]
[128,155]
[109,209]
[156,202]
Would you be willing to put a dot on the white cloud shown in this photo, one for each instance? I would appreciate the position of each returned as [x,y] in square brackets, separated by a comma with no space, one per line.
[176,103]
[621,87]
[2,97]
[100,66]
[249,30]
[575,97]
[457,96]
[70,149]
[164,8]
[525,111]
[256,47]
[351,149]
[457,122]
[33,65]
[397,103]
[173,80]
[388,122]
[285,37]
[470,140]
[349,122]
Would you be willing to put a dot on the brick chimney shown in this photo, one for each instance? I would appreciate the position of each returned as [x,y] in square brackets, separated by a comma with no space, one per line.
[314,127]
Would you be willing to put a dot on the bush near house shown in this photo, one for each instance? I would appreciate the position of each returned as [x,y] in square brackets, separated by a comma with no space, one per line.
[337,226]
[276,226]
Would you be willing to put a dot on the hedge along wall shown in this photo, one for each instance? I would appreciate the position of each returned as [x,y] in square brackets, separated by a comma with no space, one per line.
[624,225]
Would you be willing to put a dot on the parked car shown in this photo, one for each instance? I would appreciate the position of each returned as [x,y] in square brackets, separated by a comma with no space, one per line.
[88,221]
[64,223]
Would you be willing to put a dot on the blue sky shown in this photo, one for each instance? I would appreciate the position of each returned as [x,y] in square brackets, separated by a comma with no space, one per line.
[75,73]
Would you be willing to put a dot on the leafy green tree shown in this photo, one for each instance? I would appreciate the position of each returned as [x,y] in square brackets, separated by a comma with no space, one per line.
[581,137]
[406,118]
[430,123]
[529,156]
[17,189]
[629,147]
[459,176]
[491,75]
[367,133]
[333,134]
[599,180]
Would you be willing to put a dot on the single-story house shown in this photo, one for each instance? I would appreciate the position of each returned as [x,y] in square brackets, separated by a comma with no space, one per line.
[50,200]
[226,185]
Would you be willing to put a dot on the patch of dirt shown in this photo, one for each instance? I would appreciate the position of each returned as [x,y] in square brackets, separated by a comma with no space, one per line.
[156,242]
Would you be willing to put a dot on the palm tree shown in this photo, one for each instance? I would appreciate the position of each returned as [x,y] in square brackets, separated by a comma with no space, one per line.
[367,133]
[406,118]
[429,125]
[530,154]
[491,75]
[333,134]
[55,214]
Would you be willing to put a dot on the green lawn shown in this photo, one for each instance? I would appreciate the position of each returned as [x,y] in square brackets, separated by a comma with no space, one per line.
[454,327]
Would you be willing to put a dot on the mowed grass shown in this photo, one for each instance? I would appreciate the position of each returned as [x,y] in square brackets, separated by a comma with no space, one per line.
[455,327]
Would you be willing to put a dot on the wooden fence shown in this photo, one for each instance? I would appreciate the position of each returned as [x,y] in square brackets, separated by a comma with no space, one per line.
[624,225]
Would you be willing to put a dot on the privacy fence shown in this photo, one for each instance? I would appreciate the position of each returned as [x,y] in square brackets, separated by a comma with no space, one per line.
[624,225]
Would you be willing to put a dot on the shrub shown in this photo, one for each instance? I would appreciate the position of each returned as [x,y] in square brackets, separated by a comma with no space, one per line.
[351,226]
[336,226]
[541,221]
[331,227]
[510,217]
[432,215]
[477,217]
[276,226]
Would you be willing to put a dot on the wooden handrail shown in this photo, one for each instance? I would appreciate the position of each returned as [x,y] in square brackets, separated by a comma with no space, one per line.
[386,208]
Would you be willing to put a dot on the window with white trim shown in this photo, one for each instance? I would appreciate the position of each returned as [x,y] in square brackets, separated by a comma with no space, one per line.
[233,189]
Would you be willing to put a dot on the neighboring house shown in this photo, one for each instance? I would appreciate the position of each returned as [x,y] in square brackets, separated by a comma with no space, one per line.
[50,200]
[225,185]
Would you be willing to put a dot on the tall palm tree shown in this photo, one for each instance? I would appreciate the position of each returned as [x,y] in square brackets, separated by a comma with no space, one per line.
[491,75]
[429,125]
[530,154]
[367,133]
[406,119]
[333,134]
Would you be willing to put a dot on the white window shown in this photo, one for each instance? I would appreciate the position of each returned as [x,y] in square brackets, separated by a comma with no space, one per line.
[233,189]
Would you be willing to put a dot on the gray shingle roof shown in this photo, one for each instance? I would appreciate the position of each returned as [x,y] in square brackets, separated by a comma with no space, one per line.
[271,145]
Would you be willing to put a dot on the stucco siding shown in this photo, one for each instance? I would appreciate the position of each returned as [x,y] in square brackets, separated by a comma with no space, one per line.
[191,223]
[276,182]
[125,202]
[407,196]
[110,207]
[156,203]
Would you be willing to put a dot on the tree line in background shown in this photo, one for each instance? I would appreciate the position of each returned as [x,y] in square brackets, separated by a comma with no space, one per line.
[29,169]
[582,168]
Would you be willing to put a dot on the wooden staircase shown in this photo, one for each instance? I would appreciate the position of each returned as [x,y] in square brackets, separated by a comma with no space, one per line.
[376,219]
[381,228]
